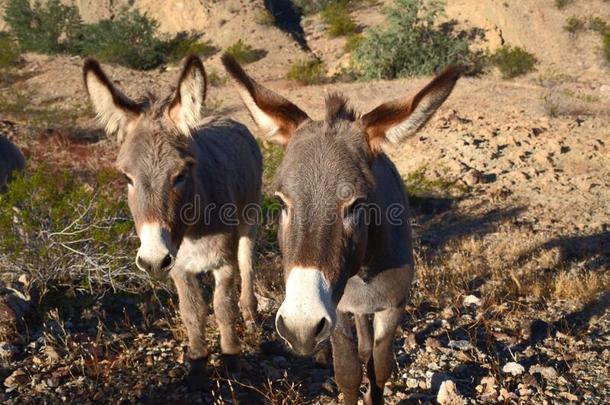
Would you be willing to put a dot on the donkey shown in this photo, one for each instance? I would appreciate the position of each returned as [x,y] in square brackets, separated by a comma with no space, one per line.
[344,230]
[11,160]
[190,182]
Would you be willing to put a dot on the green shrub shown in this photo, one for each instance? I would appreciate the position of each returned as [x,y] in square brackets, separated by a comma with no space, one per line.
[513,61]
[561,4]
[130,40]
[307,71]
[185,44]
[411,44]
[598,25]
[353,41]
[10,54]
[45,28]
[264,17]
[310,6]
[64,232]
[215,79]
[338,19]
[606,45]
[574,24]
[244,53]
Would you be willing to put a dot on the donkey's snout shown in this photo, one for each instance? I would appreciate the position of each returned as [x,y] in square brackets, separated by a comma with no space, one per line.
[150,265]
[303,335]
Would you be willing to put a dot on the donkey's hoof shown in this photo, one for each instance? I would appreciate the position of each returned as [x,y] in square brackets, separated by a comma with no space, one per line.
[196,378]
[231,363]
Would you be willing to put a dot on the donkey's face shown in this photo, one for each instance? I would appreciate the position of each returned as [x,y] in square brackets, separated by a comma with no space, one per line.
[326,188]
[155,156]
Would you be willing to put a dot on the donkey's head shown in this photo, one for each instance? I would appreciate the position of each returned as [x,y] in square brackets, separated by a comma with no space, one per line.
[326,187]
[155,156]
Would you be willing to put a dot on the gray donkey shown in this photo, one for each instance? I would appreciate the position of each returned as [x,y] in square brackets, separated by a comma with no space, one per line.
[11,160]
[190,184]
[344,230]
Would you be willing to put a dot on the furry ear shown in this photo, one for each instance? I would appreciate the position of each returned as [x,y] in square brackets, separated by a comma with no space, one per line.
[185,110]
[272,112]
[114,109]
[396,120]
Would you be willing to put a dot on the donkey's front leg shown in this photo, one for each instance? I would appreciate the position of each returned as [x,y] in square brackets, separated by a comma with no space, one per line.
[380,365]
[348,369]
[225,309]
[193,311]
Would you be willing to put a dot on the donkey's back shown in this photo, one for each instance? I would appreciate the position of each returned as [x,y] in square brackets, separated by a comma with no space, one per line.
[11,159]
[230,162]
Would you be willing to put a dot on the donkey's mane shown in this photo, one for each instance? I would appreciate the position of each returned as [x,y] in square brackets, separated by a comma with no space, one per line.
[338,109]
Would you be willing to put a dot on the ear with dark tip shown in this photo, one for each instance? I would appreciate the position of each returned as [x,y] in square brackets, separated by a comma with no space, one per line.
[185,110]
[399,119]
[273,113]
[114,109]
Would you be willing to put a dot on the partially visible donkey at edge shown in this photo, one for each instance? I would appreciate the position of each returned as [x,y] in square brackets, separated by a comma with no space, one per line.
[190,184]
[11,160]
[344,230]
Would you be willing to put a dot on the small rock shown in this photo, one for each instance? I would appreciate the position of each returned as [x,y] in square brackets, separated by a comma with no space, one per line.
[19,377]
[513,368]
[432,343]
[472,300]
[472,177]
[448,394]
[460,345]
[412,383]
[569,396]
[548,373]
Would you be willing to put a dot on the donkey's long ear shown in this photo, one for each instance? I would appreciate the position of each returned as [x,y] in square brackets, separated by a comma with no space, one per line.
[185,110]
[272,112]
[396,120]
[114,109]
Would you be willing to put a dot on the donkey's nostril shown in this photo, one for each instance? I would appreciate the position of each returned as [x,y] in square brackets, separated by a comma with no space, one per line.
[322,329]
[143,264]
[168,261]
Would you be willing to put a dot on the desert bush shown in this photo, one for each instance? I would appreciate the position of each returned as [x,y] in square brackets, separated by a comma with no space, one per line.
[352,42]
[264,17]
[10,53]
[574,24]
[412,43]
[310,6]
[513,61]
[244,53]
[597,24]
[606,45]
[309,71]
[130,39]
[561,4]
[185,44]
[63,232]
[337,17]
[46,28]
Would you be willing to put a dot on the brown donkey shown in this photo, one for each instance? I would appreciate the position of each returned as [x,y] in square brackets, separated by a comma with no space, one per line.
[344,230]
[190,184]
[11,160]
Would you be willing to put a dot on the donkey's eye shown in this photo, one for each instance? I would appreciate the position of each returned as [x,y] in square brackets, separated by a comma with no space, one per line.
[357,207]
[128,179]
[179,179]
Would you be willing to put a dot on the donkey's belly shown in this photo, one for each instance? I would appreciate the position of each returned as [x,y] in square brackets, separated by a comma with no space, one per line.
[203,254]
[388,289]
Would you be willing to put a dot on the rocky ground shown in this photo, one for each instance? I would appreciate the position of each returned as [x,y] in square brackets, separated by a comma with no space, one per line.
[510,192]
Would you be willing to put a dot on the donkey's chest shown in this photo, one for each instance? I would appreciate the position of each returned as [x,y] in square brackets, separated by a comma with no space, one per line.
[203,254]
